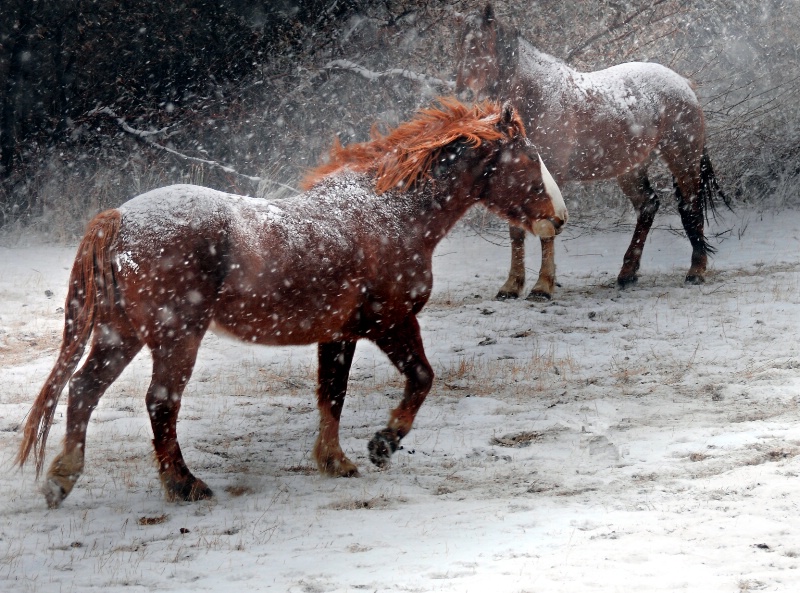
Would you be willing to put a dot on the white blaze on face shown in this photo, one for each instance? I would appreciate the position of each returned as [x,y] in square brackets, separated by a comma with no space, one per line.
[551,187]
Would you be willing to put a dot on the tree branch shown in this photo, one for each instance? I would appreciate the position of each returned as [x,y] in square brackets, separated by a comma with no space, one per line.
[402,72]
[146,137]
[612,27]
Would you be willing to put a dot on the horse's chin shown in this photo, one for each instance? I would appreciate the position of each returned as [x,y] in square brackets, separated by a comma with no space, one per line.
[544,229]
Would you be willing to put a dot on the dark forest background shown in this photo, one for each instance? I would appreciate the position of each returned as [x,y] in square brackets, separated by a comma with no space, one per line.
[103,99]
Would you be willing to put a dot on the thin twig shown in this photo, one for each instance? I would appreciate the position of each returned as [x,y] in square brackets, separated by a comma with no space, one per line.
[375,75]
[612,27]
[145,136]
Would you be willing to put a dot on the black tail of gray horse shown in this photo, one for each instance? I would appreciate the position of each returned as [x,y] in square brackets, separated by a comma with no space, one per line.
[709,190]
[709,187]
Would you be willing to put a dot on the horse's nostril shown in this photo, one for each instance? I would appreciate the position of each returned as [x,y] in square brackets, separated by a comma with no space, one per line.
[557,223]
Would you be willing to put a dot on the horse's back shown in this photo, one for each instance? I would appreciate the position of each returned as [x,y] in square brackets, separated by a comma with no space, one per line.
[167,211]
[624,85]
[609,121]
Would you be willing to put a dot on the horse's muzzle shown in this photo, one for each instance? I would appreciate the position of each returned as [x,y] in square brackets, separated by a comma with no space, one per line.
[558,224]
[547,227]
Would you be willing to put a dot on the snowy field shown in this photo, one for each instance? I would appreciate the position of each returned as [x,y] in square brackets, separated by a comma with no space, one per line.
[644,440]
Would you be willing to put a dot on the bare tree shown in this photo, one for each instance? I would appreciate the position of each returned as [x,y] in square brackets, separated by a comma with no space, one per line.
[224,94]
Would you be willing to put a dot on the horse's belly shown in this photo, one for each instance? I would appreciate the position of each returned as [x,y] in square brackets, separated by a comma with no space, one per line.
[609,151]
[283,319]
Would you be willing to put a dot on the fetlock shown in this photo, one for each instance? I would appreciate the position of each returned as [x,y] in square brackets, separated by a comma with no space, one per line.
[61,477]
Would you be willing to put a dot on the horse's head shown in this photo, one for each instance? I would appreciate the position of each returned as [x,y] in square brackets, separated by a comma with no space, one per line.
[519,187]
[484,51]
[477,68]
[496,165]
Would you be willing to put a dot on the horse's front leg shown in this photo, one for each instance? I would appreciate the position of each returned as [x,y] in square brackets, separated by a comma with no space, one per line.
[334,359]
[403,346]
[516,273]
[545,285]
[637,187]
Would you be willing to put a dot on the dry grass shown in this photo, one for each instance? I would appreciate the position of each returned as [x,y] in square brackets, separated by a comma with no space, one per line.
[522,439]
[238,490]
[377,502]
[156,520]
[537,371]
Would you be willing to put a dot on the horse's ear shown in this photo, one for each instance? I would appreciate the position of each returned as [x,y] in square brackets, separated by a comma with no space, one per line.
[507,113]
[488,15]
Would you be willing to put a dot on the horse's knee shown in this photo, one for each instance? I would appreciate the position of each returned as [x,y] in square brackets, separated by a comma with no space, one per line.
[516,234]
[422,376]
[420,380]
[61,477]
[649,209]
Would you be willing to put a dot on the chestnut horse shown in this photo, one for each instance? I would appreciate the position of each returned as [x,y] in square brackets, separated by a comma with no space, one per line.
[612,123]
[348,259]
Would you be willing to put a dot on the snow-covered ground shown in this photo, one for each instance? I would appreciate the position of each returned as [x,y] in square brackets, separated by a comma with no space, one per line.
[644,440]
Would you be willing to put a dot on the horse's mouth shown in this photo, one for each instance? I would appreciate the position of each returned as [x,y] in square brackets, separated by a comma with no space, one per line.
[547,227]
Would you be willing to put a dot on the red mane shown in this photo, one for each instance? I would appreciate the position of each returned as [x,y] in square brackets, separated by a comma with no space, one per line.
[406,153]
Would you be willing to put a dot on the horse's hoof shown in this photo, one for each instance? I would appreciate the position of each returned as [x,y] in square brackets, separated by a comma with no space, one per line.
[381,447]
[694,279]
[61,477]
[199,491]
[505,295]
[188,491]
[626,282]
[54,493]
[539,296]
[338,468]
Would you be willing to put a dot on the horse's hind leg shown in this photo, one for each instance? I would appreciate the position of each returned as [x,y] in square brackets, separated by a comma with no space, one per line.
[690,207]
[636,186]
[334,359]
[516,273]
[403,346]
[683,153]
[173,361]
[114,346]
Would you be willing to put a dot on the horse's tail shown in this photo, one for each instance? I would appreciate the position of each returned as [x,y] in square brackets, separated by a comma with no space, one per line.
[91,286]
[709,187]
[708,191]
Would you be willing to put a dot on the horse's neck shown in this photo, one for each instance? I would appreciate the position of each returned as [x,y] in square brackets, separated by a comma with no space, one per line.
[534,61]
[423,215]
[440,206]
